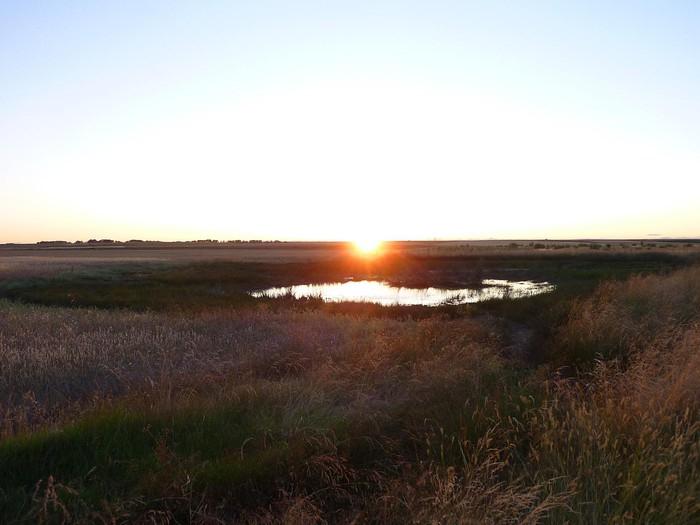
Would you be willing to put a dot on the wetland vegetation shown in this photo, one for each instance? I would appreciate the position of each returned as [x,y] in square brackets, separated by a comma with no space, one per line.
[162,392]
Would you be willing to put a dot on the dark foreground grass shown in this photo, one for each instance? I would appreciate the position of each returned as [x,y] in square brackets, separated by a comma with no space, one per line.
[111,460]
[306,414]
[270,439]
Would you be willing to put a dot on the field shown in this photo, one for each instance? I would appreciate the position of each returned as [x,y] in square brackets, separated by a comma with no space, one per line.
[145,385]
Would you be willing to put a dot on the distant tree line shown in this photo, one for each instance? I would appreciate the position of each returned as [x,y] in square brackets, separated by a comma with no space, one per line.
[112,242]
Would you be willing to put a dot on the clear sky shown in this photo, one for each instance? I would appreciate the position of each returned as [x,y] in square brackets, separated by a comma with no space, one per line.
[346,120]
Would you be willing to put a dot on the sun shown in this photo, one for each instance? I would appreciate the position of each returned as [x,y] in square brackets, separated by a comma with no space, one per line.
[367,246]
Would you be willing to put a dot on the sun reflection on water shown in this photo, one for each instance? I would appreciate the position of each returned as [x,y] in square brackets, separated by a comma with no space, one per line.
[381,292]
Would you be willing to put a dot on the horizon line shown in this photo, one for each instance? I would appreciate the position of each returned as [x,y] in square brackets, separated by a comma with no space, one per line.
[105,241]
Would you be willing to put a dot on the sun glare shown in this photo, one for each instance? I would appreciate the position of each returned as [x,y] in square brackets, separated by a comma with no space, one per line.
[367,246]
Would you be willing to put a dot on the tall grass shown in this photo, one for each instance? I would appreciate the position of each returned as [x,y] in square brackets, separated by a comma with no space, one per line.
[622,318]
[288,415]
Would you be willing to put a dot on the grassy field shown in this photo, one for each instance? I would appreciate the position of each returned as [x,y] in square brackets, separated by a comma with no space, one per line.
[159,391]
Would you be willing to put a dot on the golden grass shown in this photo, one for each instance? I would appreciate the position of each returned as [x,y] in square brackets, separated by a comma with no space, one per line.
[622,318]
[54,359]
[389,421]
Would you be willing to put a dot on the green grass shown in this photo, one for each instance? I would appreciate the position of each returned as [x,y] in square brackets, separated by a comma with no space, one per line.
[235,449]
[202,286]
[282,411]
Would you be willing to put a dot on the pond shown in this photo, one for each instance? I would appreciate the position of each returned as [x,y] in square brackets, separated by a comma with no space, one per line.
[381,292]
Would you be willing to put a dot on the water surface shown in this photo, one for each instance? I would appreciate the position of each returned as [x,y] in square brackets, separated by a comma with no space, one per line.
[381,292]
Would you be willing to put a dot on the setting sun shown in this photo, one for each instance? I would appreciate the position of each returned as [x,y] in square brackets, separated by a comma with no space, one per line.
[367,246]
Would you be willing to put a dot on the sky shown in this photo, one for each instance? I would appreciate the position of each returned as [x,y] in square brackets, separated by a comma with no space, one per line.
[323,120]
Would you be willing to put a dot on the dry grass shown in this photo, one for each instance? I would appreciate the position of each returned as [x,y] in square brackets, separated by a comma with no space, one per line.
[628,431]
[293,416]
[36,256]
[622,318]
[54,358]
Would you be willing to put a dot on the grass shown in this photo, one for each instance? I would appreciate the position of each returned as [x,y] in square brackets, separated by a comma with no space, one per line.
[283,412]
[314,394]
[198,286]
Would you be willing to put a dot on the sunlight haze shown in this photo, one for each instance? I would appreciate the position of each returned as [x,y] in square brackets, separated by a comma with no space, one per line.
[357,121]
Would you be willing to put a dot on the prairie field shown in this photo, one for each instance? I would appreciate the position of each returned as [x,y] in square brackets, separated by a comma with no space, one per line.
[138,389]
[350,263]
